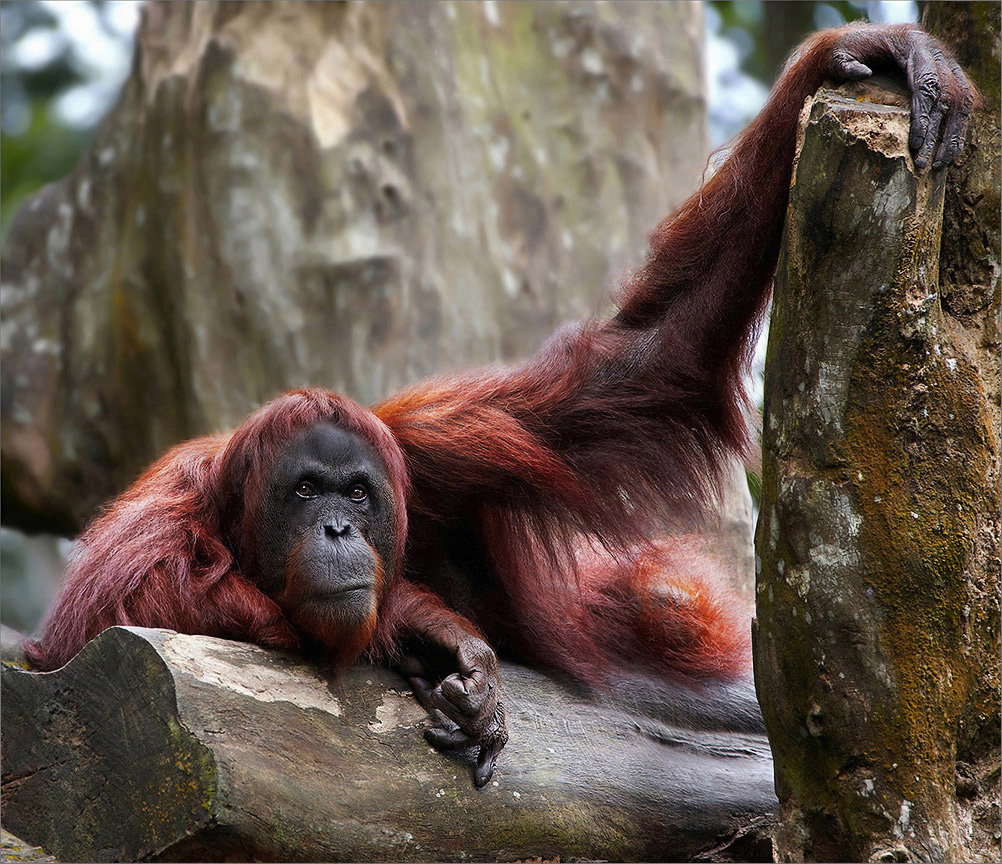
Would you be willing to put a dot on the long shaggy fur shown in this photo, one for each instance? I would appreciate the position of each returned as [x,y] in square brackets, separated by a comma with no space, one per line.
[166,552]
[544,479]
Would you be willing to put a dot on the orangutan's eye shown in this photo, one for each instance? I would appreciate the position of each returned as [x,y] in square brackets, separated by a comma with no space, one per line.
[358,492]
[306,490]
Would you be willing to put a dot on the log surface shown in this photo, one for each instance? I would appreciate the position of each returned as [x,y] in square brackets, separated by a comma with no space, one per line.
[154,744]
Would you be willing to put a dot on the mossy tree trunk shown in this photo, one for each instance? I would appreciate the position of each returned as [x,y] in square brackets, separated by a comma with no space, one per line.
[876,639]
[969,287]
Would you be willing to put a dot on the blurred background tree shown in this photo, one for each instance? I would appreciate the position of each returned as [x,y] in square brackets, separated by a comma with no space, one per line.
[748,42]
[63,67]
[63,63]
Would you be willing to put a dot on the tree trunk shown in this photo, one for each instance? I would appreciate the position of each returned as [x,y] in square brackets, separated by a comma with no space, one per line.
[155,745]
[878,484]
[784,25]
[969,285]
[346,195]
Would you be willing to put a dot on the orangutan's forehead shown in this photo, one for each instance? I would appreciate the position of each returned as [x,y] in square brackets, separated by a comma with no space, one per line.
[327,449]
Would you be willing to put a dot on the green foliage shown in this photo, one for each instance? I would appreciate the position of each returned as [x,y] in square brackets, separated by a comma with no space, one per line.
[44,152]
[767,32]
[33,149]
[754,487]
[42,61]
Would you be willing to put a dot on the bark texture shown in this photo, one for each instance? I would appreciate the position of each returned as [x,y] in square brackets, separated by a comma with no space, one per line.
[154,745]
[16,850]
[342,195]
[878,484]
[970,275]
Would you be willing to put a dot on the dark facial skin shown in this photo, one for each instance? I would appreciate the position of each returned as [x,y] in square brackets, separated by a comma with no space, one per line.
[326,530]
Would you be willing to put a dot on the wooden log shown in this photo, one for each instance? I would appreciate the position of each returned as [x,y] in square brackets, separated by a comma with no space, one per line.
[156,745]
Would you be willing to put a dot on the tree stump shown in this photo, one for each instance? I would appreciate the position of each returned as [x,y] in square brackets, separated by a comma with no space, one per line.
[877,475]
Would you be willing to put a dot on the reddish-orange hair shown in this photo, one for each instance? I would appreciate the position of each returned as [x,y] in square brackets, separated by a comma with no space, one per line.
[173,551]
[541,483]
